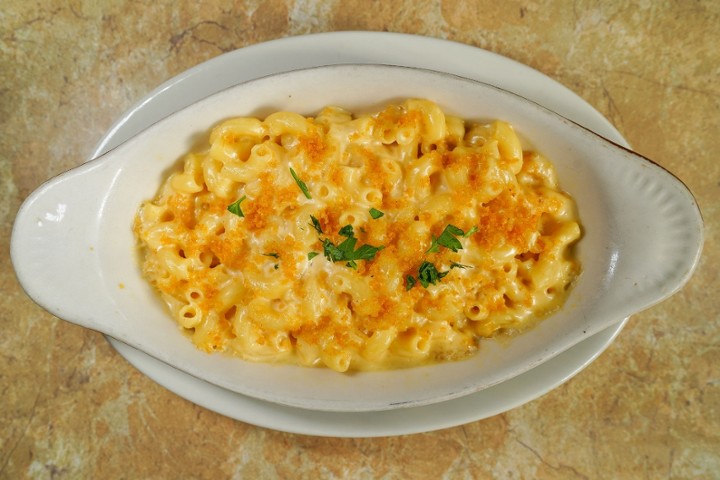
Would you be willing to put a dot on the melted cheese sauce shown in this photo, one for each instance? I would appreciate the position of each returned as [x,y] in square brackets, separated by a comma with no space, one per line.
[246,284]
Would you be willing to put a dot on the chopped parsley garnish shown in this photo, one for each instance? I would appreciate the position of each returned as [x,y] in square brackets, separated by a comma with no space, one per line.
[448,239]
[272,254]
[235,207]
[375,213]
[366,252]
[346,252]
[428,274]
[316,224]
[471,231]
[312,255]
[277,265]
[300,183]
[337,253]
[347,231]
[458,265]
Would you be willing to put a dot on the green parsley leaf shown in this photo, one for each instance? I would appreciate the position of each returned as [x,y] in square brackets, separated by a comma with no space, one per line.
[409,282]
[347,231]
[235,207]
[428,274]
[347,247]
[277,265]
[272,254]
[434,246]
[367,252]
[458,265]
[375,213]
[471,231]
[331,252]
[316,224]
[447,239]
[346,252]
[300,183]
[312,255]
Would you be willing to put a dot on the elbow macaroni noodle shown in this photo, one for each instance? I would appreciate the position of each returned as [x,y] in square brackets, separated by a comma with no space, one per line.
[247,284]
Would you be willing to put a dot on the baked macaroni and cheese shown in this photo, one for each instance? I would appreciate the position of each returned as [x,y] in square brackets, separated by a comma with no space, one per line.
[365,242]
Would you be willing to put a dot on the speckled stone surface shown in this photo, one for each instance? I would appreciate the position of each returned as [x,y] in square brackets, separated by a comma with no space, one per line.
[649,407]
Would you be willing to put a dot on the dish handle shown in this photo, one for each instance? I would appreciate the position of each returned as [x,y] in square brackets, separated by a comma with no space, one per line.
[657,232]
[53,245]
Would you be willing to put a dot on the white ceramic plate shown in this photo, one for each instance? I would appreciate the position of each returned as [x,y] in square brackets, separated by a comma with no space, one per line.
[622,198]
[371,48]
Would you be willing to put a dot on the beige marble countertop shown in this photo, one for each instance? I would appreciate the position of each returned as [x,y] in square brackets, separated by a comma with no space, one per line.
[648,407]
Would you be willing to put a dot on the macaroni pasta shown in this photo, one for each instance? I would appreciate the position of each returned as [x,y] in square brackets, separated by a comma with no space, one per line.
[359,242]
